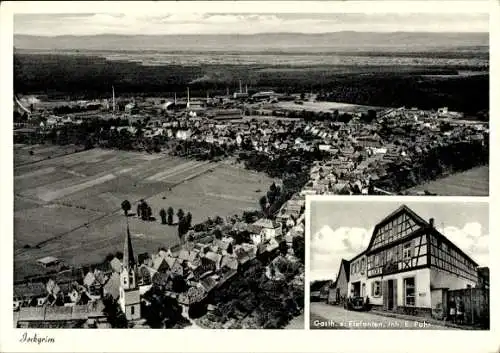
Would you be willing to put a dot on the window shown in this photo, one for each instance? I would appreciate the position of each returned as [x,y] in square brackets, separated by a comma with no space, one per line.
[377,260]
[132,310]
[376,292]
[407,250]
[409,285]
[389,255]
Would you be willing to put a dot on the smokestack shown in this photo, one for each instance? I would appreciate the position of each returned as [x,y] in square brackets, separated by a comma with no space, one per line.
[246,89]
[188,99]
[113,87]
[241,90]
[175,98]
[431,222]
[227,91]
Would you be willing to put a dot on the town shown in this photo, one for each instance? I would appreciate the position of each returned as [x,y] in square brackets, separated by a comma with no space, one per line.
[241,271]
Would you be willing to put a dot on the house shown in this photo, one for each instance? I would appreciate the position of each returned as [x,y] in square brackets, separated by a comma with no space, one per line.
[229,261]
[267,228]
[409,266]
[215,258]
[112,286]
[48,261]
[116,264]
[316,288]
[340,289]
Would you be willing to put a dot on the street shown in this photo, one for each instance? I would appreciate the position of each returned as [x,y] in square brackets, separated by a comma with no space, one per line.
[325,316]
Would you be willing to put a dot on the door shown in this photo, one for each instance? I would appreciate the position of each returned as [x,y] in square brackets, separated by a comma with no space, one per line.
[394,294]
[385,295]
[390,294]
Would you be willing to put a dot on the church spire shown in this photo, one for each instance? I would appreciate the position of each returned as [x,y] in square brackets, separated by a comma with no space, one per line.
[128,252]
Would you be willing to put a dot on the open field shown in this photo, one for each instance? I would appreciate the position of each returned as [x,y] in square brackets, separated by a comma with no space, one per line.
[40,152]
[69,207]
[473,182]
[324,107]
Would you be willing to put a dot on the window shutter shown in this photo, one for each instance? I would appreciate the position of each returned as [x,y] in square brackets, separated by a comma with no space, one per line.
[385,294]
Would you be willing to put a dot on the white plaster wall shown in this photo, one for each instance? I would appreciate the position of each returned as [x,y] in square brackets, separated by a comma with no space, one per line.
[443,279]
[422,287]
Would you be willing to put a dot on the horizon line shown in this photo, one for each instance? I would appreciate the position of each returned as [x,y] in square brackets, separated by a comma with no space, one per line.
[245,34]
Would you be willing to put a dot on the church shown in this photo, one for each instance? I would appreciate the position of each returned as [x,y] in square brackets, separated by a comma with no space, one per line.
[130,298]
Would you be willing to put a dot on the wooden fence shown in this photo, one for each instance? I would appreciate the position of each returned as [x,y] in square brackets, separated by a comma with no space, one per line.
[476,305]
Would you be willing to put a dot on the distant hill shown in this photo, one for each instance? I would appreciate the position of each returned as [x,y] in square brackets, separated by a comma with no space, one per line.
[338,41]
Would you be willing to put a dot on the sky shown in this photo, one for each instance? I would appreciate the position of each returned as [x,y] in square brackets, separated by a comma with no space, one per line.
[245,23]
[342,230]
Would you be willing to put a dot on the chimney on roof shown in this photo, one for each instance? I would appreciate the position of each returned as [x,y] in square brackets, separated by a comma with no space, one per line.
[431,222]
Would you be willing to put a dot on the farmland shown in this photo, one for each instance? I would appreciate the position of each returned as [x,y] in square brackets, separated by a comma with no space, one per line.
[69,206]
[473,182]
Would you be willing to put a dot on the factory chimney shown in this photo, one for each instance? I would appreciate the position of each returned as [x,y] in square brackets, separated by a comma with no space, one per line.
[188,99]
[114,106]
[246,89]
[431,222]
[175,98]
[241,90]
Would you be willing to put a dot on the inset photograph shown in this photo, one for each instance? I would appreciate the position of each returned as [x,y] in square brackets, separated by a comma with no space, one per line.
[388,263]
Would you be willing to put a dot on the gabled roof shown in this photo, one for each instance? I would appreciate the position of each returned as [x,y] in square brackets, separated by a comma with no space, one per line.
[112,286]
[401,210]
[344,266]
[116,264]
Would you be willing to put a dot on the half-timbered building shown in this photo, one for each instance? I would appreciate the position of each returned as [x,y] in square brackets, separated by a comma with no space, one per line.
[409,266]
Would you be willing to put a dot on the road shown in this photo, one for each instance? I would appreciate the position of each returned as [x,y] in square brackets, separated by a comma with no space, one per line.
[325,316]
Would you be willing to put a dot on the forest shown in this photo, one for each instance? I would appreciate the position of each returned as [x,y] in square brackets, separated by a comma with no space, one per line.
[87,77]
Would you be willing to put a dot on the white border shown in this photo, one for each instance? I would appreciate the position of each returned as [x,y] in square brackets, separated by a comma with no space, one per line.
[240,340]
[147,7]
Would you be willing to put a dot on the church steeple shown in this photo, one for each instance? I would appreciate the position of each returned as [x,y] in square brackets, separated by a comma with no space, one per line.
[128,251]
[130,298]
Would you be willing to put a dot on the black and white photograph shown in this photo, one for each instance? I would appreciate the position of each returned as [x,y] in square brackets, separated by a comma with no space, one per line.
[164,156]
[399,264]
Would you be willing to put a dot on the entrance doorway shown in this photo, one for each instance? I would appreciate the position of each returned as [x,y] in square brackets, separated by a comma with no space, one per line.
[390,294]
[356,289]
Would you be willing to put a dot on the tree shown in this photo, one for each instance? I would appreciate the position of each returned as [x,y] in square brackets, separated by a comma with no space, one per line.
[145,211]
[189,218]
[217,233]
[283,247]
[182,227]
[163,216]
[263,203]
[112,310]
[298,247]
[180,214]
[170,216]
[126,207]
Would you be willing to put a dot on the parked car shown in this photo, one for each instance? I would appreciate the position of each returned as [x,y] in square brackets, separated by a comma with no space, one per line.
[357,304]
